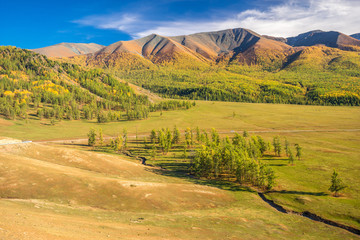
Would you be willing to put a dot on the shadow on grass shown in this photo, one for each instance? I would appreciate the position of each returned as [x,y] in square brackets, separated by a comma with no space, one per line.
[301,193]
[74,144]
[180,170]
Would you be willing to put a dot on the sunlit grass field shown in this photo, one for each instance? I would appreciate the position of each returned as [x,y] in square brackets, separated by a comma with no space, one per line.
[224,116]
[333,142]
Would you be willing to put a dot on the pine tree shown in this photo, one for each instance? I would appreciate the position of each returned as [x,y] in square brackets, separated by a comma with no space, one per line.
[298,151]
[205,137]
[125,138]
[287,148]
[277,146]
[215,136]
[168,140]
[245,134]
[262,145]
[198,134]
[153,151]
[270,179]
[291,157]
[191,137]
[92,137]
[176,135]
[101,137]
[153,136]
[185,152]
[112,143]
[336,184]
[118,143]
[188,137]
[162,140]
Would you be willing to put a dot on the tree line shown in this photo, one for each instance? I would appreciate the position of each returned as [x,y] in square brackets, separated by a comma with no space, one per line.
[238,158]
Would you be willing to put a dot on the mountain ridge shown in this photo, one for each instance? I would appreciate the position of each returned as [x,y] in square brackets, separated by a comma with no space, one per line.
[356,36]
[238,44]
[199,49]
[68,49]
[229,45]
[330,39]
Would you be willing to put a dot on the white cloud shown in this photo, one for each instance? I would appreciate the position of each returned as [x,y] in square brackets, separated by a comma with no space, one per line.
[286,19]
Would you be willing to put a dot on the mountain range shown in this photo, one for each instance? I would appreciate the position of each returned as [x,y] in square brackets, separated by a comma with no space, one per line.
[69,49]
[229,45]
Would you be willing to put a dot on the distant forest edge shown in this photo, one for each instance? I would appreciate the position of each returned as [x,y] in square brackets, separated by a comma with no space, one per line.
[311,79]
[32,84]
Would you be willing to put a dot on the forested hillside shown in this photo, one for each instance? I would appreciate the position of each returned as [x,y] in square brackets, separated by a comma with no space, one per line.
[315,75]
[31,84]
[239,65]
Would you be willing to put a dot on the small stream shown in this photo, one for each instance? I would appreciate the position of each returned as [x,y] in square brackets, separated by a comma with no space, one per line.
[308,215]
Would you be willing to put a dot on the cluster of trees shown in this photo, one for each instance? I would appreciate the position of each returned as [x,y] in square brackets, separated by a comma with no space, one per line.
[12,109]
[118,143]
[165,138]
[30,81]
[171,105]
[289,153]
[237,158]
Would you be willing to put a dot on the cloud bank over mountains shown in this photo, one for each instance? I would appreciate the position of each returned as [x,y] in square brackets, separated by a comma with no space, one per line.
[287,18]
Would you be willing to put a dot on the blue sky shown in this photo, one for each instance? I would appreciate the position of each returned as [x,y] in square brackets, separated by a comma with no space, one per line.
[39,23]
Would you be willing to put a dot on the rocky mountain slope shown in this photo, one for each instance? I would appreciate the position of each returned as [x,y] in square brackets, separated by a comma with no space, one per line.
[228,45]
[330,39]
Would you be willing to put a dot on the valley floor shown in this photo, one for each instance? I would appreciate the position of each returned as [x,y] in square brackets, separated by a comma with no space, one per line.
[60,193]
[64,190]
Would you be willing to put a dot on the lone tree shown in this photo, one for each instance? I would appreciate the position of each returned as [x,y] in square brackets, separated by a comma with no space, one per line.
[277,146]
[118,144]
[287,148]
[101,137]
[92,137]
[125,138]
[153,152]
[298,151]
[198,134]
[153,136]
[176,135]
[188,137]
[336,184]
[245,134]
[185,152]
[270,178]
[291,157]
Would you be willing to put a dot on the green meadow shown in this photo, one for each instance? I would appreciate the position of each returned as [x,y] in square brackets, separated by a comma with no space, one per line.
[329,136]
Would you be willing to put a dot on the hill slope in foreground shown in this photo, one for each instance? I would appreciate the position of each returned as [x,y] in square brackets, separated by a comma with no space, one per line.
[75,195]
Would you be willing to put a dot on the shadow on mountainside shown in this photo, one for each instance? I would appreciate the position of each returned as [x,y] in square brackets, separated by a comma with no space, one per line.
[169,169]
